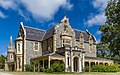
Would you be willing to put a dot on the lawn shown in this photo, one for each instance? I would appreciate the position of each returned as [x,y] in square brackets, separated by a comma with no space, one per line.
[42,73]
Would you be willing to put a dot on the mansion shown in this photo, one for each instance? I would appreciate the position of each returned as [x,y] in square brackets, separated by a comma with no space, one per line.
[62,43]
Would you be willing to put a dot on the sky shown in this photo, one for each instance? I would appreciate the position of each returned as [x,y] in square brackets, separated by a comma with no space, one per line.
[44,14]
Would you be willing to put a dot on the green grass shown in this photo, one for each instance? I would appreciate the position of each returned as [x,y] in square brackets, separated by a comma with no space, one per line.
[62,73]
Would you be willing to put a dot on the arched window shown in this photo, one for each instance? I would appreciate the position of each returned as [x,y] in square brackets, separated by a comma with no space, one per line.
[19,47]
[68,61]
[11,56]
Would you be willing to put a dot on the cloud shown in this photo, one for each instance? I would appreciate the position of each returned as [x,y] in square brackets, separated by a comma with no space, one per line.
[98,41]
[51,24]
[45,9]
[8,4]
[40,10]
[100,4]
[98,19]
[2,15]
[98,32]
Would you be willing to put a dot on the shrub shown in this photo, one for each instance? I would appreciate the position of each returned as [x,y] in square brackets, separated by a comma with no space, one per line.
[29,67]
[58,67]
[49,70]
[103,68]
[42,69]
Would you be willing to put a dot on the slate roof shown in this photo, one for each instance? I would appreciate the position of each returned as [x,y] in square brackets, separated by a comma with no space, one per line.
[34,33]
[77,34]
[39,35]
[49,33]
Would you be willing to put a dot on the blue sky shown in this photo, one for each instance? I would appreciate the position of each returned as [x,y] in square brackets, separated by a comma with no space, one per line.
[44,14]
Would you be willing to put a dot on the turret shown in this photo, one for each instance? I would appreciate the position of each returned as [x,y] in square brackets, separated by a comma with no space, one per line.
[10,53]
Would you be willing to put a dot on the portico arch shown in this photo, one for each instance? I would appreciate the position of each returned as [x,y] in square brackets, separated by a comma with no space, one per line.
[75,64]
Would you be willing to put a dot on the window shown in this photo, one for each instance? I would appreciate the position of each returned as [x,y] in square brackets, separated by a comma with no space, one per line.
[66,42]
[68,61]
[90,48]
[19,47]
[11,56]
[36,46]
[81,45]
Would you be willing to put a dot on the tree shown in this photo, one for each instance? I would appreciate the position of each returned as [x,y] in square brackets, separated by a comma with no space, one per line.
[103,50]
[111,29]
[2,61]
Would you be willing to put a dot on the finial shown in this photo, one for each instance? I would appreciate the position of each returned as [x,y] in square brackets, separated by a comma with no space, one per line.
[21,23]
[10,41]
[65,18]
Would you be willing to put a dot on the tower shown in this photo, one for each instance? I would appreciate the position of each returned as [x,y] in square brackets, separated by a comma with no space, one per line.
[19,44]
[10,61]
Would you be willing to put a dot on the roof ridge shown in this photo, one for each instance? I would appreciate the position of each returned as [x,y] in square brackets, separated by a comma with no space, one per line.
[35,28]
[77,29]
[44,35]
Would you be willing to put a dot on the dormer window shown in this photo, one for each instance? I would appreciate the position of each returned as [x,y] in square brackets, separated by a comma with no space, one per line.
[36,46]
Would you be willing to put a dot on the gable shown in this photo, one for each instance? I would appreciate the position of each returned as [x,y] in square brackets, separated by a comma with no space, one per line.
[34,34]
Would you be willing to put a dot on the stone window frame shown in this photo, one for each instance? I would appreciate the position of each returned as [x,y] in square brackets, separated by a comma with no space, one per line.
[18,47]
[81,40]
[50,44]
[36,46]
[66,43]
[90,44]
[11,56]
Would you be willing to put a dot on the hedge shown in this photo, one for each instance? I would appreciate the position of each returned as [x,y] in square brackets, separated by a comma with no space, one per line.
[103,68]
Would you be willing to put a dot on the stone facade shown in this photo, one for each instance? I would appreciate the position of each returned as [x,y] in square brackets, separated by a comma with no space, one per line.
[30,52]
[62,43]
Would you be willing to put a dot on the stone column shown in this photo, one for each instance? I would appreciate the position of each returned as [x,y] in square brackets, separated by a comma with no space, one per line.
[66,62]
[17,64]
[48,61]
[80,65]
[71,62]
[54,41]
[21,64]
[43,64]
[24,53]
[83,62]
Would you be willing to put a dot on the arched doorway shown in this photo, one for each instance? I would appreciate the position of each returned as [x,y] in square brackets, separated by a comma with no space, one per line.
[75,64]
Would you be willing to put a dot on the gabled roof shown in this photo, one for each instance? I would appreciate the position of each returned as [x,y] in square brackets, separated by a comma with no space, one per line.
[34,33]
[39,35]
[49,33]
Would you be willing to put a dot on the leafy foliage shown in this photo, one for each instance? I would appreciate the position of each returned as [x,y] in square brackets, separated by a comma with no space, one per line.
[111,29]
[103,50]
[103,68]
[2,61]
[29,67]
[58,67]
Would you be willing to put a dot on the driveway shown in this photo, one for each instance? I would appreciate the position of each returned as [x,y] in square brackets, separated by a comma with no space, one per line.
[2,73]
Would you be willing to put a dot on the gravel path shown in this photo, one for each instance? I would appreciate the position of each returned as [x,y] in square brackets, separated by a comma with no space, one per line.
[2,73]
